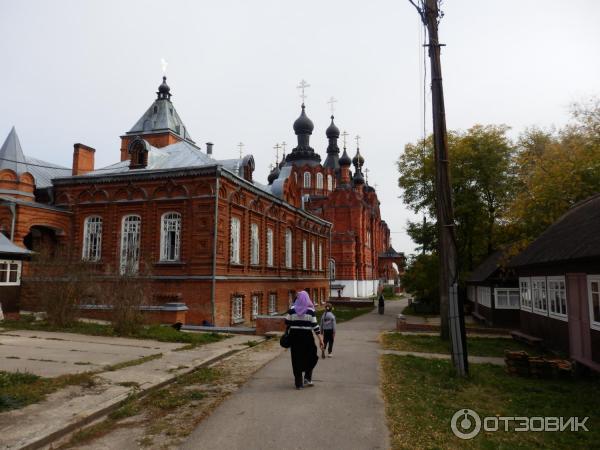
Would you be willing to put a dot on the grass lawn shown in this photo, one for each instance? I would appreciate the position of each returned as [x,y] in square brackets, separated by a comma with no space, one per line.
[343,314]
[154,332]
[21,389]
[476,346]
[422,395]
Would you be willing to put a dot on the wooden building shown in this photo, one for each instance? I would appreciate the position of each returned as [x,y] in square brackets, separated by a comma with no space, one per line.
[494,293]
[559,281]
[11,266]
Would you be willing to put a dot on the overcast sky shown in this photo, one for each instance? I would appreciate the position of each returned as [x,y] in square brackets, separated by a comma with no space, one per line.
[85,71]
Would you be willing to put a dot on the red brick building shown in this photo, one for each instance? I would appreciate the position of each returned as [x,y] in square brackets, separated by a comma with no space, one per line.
[204,232]
[361,254]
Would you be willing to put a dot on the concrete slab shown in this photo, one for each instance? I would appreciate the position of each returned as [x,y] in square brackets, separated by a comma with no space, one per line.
[50,354]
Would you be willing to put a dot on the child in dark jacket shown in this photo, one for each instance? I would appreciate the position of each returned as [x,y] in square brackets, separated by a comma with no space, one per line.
[328,328]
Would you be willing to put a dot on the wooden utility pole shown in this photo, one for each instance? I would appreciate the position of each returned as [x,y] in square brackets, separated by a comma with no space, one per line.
[451,311]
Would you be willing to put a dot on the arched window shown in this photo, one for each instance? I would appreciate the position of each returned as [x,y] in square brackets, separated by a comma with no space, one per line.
[304,262]
[235,240]
[269,247]
[319,181]
[170,236]
[131,228]
[307,180]
[313,257]
[288,248]
[254,244]
[92,239]
[320,256]
[329,183]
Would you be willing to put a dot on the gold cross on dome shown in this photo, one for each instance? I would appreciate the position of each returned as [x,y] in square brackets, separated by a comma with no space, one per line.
[303,85]
[357,138]
[241,146]
[344,136]
[332,101]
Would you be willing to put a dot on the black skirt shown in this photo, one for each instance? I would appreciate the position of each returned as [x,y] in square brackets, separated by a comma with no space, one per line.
[303,349]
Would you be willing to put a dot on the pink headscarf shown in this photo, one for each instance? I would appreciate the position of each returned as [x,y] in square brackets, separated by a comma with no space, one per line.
[302,303]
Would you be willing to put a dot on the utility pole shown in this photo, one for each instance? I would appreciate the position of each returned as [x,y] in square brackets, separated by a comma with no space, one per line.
[451,310]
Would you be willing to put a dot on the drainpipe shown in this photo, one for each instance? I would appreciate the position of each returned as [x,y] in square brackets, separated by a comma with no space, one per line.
[329,266]
[214,253]
[13,221]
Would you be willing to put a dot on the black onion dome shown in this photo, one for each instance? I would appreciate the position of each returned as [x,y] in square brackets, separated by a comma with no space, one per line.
[358,178]
[303,125]
[358,160]
[345,160]
[164,91]
[273,175]
[332,131]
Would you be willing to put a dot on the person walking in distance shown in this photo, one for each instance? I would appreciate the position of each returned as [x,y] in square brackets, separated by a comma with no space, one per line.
[328,327]
[302,322]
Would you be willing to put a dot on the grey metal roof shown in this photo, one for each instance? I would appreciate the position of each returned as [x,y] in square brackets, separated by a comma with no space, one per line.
[7,247]
[161,116]
[12,157]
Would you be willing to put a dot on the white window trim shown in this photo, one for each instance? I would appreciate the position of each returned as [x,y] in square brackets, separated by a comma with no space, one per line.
[329,183]
[164,250]
[320,257]
[508,291]
[270,234]
[237,311]
[288,248]
[10,262]
[590,279]
[254,244]
[313,256]
[272,304]
[86,250]
[255,306]
[304,259]
[126,259]
[557,315]
[485,299]
[234,240]
[307,180]
[319,180]
[539,311]
[522,305]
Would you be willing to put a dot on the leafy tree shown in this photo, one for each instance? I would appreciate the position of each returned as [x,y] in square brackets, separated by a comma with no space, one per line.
[421,278]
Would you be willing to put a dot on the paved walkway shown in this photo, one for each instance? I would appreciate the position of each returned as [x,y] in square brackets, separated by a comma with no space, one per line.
[344,410]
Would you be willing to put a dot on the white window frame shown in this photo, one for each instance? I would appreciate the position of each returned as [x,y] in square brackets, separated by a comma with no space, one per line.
[255,306]
[307,180]
[92,239]
[170,224]
[304,255]
[543,299]
[237,309]
[270,261]
[484,296]
[272,303]
[288,248]
[313,256]
[254,244]
[319,180]
[320,256]
[234,241]
[5,277]
[525,294]
[515,293]
[551,292]
[368,238]
[594,324]
[131,236]
[329,183]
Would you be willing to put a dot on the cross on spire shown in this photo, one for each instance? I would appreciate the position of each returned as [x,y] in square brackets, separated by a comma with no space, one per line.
[367,175]
[277,147]
[332,101]
[241,146]
[283,144]
[163,65]
[357,139]
[303,85]
[344,136]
